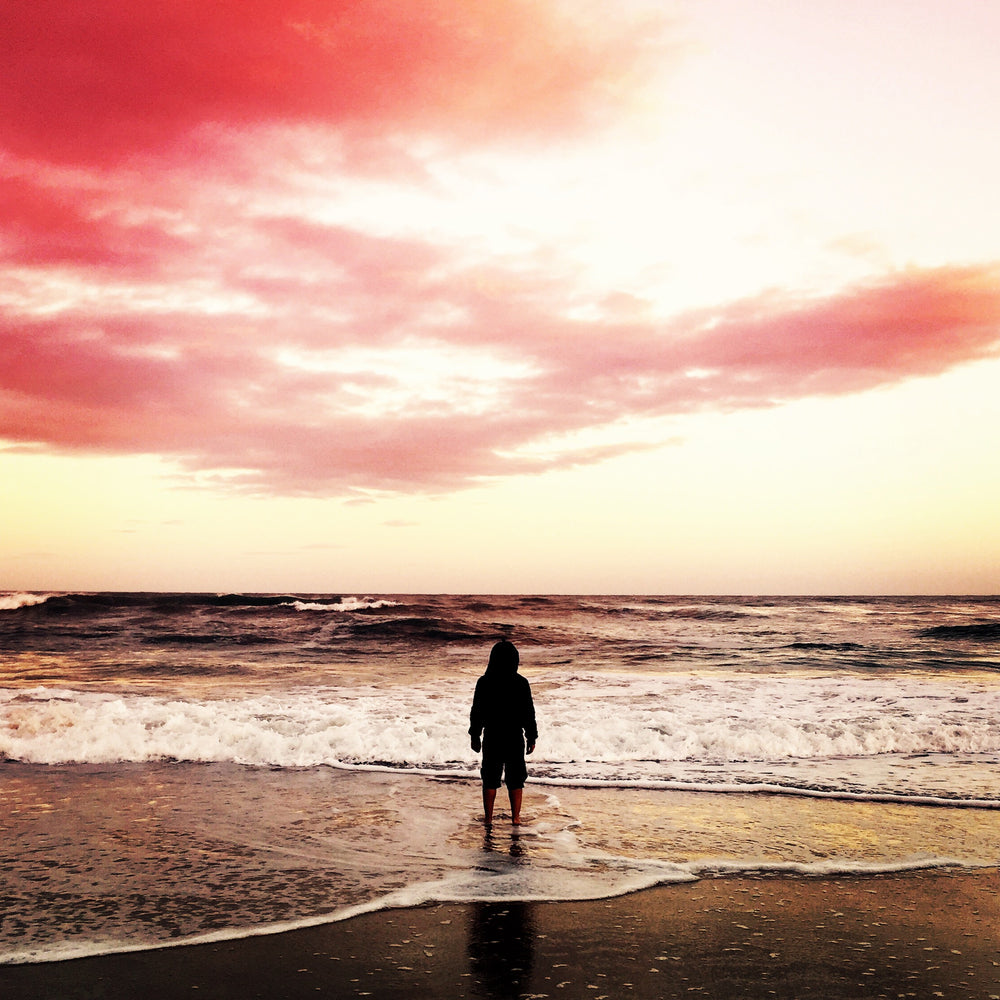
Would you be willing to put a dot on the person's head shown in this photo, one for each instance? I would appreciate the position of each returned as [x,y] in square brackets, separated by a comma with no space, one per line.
[503,658]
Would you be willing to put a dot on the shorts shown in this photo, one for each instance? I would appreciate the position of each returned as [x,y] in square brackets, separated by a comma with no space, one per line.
[503,755]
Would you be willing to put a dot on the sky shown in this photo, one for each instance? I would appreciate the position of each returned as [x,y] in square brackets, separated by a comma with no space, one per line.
[500,296]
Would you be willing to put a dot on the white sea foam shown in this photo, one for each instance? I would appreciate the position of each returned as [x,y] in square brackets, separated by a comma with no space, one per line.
[641,731]
[501,883]
[12,600]
[345,604]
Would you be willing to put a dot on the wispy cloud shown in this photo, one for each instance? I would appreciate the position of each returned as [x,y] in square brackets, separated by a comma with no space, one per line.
[296,407]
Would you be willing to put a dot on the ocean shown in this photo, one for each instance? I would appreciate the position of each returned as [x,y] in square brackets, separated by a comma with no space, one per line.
[190,767]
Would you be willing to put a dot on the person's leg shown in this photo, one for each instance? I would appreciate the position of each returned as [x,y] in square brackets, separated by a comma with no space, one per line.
[516,773]
[515,804]
[491,772]
[489,798]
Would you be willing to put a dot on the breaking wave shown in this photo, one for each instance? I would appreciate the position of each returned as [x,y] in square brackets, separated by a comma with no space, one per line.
[624,730]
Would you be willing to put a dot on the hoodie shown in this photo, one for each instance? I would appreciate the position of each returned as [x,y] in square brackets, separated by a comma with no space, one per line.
[502,704]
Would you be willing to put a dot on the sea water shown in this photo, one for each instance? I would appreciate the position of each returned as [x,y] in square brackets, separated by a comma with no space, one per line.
[176,766]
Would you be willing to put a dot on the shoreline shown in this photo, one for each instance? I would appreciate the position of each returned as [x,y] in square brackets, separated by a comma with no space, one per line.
[920,934]
[99,860]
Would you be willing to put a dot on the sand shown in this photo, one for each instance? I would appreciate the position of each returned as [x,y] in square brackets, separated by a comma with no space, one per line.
[924,935]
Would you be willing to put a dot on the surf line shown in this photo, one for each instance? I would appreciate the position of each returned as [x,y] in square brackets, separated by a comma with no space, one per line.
[704,787]
[656,874]
[771,789]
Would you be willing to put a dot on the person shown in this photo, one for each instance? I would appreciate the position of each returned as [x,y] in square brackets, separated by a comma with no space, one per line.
[502,725]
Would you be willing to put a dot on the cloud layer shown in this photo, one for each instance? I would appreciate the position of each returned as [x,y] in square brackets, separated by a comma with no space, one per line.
[388,395]
[167,287]
[95,81]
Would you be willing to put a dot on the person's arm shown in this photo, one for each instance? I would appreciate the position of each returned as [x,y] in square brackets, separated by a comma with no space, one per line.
[476,720]
[530,727]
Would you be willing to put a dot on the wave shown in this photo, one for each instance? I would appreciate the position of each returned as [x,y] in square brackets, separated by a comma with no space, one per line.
[345,604]
[15,600]
[162,602]
[421,629]
[657,610]
[836,647]
[207,639]
[977,632]
[812,735]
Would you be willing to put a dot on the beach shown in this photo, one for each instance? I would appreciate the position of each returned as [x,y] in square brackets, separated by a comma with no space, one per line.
[923,935]
[759,895]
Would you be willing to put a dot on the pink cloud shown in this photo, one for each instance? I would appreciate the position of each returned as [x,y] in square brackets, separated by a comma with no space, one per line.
[213,395]
[57,223]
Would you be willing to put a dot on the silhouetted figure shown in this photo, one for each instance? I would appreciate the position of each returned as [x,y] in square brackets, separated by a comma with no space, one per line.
[501,721]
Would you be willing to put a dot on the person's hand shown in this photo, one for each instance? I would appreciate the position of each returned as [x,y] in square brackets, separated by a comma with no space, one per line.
[530,748]
[477,744]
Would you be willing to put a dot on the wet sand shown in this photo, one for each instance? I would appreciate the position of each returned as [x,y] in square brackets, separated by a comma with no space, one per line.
[923,935]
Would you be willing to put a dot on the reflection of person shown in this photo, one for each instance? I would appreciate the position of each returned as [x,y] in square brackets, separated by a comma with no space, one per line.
[502,719]
[505,972]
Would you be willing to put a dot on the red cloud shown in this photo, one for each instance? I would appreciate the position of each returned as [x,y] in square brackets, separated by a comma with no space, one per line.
[230,395]
[94,81]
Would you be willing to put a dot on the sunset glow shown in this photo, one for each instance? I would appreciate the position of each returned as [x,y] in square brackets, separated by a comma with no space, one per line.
[402,296]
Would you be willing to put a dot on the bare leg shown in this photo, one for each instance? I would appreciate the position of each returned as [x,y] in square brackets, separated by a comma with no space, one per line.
[489,797]
[515,804]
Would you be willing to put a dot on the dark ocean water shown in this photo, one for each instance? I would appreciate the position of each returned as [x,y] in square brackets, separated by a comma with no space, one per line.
[167,631]
[307,679]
